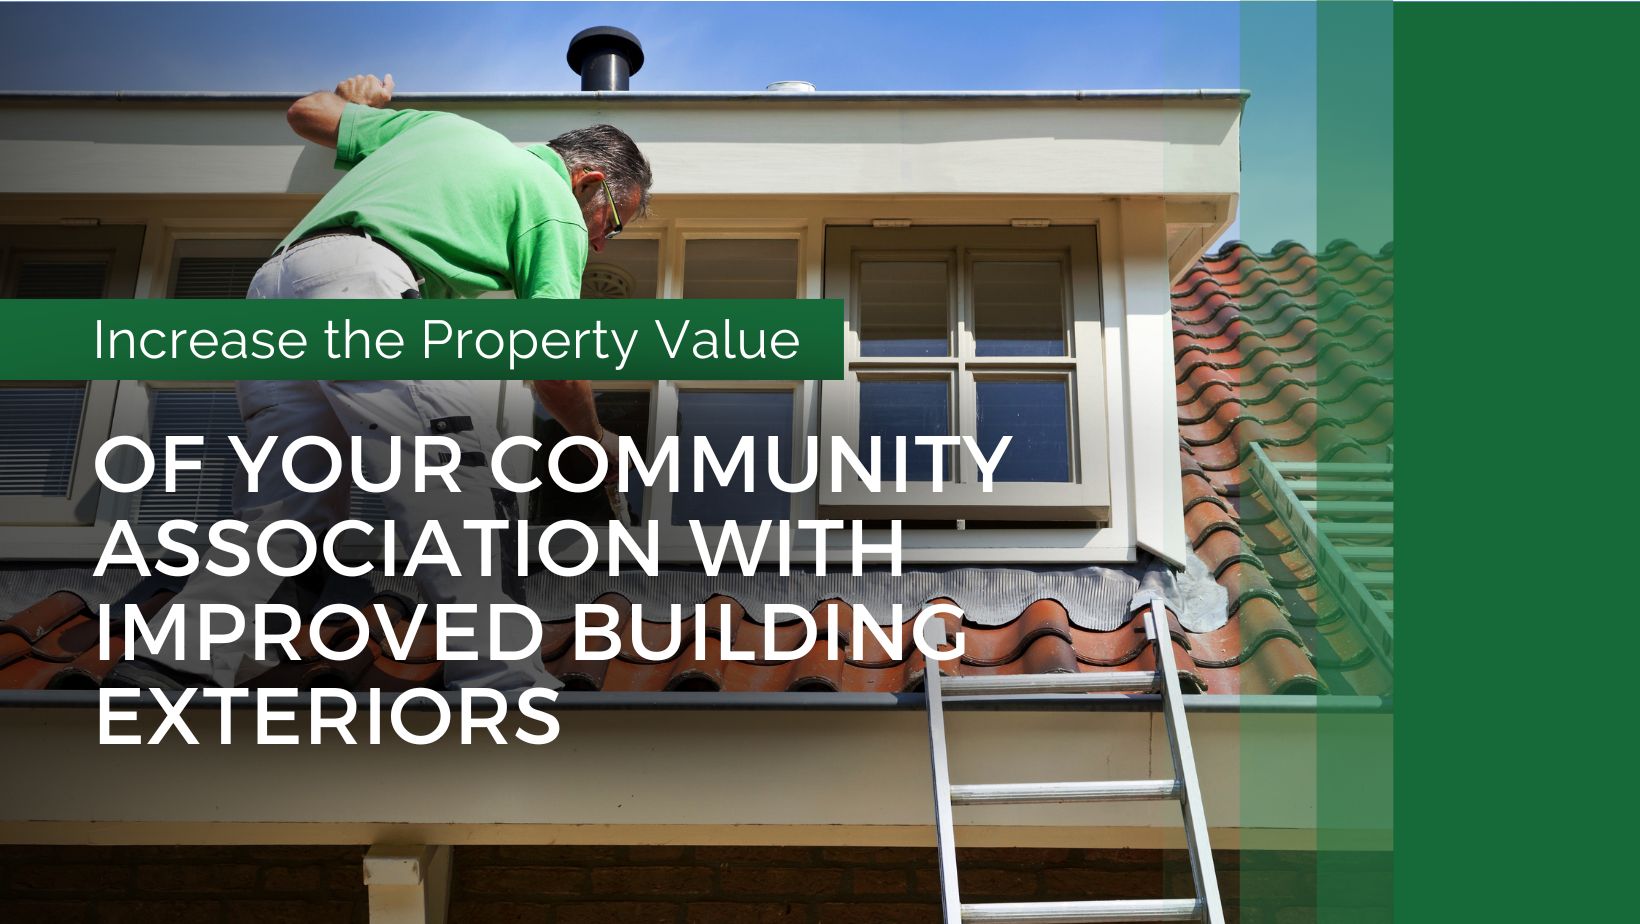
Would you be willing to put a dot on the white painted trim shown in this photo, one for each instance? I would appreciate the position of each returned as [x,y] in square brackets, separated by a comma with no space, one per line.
[1152,410]
[777,776]
[881,147]
[76,509]
[408,885]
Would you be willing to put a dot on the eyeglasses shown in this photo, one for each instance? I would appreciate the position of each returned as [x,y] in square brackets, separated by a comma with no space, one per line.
[614,213]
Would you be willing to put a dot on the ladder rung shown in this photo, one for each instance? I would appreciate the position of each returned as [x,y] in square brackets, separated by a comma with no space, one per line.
[1367,552]
[1334,469]
[1104,682]
[1377,578]
[1097,791]
[1308,487]
[1357,530]
[1350,508]
[1164,909]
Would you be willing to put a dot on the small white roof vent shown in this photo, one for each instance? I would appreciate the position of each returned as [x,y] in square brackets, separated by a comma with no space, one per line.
[790,86]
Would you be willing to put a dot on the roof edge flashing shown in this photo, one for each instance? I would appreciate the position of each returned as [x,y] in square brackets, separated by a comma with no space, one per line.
[648,96]
[571,700]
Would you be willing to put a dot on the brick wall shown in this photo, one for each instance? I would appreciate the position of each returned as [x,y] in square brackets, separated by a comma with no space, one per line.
[182,885]
[630,884]
[770,885]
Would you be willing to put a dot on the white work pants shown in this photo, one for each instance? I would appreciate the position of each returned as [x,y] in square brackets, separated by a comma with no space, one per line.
[354,267]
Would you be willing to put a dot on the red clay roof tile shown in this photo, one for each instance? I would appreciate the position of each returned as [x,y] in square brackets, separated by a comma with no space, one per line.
[1293,350]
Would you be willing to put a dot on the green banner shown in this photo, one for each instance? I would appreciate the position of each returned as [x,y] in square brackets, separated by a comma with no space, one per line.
[233,339]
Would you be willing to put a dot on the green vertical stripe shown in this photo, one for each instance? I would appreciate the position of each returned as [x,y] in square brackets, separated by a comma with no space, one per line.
[1354,196]
[1515,151]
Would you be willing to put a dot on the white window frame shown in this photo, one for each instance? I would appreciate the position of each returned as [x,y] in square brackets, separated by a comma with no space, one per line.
[135,417]
[79,507]
[168,242]
[182,244]
[684,232]
[1109,541]
[169,239]
[677,544]
[1141,343]
[677,540]
[1086,497]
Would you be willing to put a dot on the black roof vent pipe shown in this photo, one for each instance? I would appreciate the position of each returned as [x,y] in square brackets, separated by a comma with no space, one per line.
[605,57]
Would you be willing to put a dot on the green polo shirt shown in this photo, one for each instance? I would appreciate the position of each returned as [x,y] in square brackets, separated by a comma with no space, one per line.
[472,212]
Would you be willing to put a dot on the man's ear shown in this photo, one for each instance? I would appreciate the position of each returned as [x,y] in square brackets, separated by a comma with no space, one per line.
[583,179]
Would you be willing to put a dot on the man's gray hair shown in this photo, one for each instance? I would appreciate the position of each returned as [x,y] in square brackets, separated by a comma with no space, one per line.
[611,152]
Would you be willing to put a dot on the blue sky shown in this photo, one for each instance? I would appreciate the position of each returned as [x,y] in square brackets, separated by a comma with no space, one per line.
[689,46]
[1268,48]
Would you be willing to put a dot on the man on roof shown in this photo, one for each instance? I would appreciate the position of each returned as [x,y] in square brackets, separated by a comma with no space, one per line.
[432,205]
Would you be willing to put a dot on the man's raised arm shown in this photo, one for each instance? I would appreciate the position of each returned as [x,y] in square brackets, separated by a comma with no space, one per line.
[318,116]
[570,402]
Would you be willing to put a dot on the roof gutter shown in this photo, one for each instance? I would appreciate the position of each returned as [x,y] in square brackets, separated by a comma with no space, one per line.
[828,702]
[628,96]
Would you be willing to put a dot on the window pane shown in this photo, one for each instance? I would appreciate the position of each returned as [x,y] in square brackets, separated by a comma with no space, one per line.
[904,308]
[625,269]
[1036,413]
[1019,308]
[37,443]
[622,412]
[890,408]
[722,418]
[206,495]
[740,269]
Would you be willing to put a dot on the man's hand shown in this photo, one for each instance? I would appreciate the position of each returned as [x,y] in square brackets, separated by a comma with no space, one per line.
[366,90]
[318,116]
[609,446]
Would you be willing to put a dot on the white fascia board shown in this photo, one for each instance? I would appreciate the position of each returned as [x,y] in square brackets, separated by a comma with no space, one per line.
[668,776]
[950,147]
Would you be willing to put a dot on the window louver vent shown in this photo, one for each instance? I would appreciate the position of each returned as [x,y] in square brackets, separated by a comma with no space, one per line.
[54,279]
[38,441]
[207,495]
[215,277]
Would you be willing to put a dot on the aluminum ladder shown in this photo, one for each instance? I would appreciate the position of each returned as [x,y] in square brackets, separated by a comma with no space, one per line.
[1184,787]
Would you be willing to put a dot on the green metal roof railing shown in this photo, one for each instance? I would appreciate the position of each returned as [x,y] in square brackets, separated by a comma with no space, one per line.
[1341,516]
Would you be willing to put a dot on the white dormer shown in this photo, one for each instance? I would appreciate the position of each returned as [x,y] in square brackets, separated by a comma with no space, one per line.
[1005,260]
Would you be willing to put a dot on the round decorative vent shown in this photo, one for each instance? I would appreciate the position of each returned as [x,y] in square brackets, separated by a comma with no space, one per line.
[603,280]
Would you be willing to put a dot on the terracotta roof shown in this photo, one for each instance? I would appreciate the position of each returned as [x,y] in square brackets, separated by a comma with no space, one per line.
[1289,348]
[52,645]
[1293,350]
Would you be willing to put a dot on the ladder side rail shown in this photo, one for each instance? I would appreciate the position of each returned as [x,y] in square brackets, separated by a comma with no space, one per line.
[1184,767]
[945,834]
